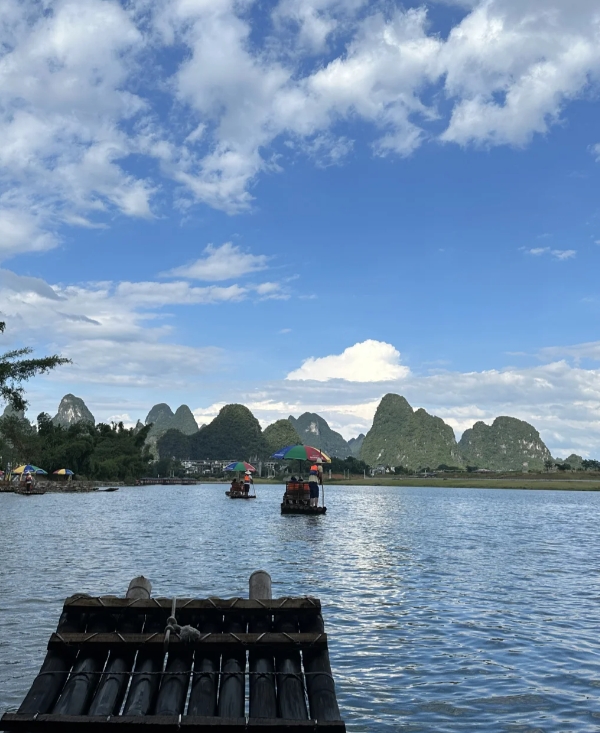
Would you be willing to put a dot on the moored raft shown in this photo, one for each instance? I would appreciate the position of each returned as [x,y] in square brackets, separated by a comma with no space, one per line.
[177,664]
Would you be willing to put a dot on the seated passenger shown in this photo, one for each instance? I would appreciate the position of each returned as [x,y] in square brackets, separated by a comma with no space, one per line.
[235,486]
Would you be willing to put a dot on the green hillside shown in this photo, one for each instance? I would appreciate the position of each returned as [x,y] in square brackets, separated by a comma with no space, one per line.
[314,430]
[402,437]
[279,434]
[507,444]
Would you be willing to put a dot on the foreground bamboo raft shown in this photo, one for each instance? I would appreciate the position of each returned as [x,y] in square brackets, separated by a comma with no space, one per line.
[167,665]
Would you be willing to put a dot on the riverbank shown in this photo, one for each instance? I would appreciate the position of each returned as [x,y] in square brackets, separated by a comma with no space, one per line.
[472,481]
[58,487]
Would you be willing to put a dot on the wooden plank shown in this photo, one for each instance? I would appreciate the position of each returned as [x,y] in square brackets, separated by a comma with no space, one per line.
[115,640]
[160,723]
[222,605]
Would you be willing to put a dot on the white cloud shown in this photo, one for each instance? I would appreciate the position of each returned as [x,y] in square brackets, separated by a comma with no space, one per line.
[564,254]
[78,113]
[115,333]
[226,262]
[369,361]
[62,78]
[558,254]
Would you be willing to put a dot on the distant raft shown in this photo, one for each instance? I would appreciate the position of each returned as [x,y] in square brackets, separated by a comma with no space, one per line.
[296,499]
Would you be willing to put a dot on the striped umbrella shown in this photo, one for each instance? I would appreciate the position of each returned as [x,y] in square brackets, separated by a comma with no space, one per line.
[239,466]
[28,468]
[301,453]
[64,472]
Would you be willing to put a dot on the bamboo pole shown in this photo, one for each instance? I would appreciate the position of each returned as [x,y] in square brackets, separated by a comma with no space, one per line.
[263,699]
[79,690]
[205,680]
[232,688]
[320,686]
[145,678]
[54,671]
[113,684]
[291,703]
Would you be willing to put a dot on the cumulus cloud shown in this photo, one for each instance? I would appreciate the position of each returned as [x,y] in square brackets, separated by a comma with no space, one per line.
[63,74]
[226,262]
[369,361]
[77,114]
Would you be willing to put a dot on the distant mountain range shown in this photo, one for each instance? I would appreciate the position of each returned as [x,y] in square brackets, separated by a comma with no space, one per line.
[399,436]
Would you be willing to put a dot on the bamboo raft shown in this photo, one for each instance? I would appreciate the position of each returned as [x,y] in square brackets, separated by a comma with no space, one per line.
[296,499]
[173,665]
[239,495]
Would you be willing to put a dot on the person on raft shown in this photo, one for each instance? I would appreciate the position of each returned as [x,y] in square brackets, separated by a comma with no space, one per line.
[313,486]
[235,485]
[28,481]
[247,482]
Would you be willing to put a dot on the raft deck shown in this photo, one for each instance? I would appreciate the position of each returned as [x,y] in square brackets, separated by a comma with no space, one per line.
[123,664]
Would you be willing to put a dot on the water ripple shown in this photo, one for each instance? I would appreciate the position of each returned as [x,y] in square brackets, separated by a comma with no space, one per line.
[447,610]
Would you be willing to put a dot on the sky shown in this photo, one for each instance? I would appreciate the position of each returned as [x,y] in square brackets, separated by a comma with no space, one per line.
[306,204]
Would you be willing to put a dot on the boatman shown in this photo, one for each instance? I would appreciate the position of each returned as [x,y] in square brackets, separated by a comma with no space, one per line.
[315,478]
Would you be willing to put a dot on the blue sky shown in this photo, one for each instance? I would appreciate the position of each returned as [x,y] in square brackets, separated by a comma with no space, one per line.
[305,204]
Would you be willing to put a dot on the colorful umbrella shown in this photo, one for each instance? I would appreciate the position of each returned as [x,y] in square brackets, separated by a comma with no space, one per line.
[239,466]
[64,472]
[301,453]
[28,468]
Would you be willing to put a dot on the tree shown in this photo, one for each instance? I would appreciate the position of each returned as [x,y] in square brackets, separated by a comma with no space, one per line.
[14,370]
[281,434]
[174,444]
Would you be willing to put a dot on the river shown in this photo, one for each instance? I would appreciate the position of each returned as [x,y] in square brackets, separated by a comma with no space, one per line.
[446,609]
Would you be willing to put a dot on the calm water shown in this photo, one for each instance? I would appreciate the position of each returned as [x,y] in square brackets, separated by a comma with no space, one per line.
[447,609]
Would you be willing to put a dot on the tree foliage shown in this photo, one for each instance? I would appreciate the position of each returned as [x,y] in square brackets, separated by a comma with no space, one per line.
[235,433]
[351,464]
[14,370]
[281,434]
[103,452]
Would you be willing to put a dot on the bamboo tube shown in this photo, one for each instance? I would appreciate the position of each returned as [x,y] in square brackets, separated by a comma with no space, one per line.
[320,686]
[263,700]
[113,684]
[83,680]
[205,680]
[232,688]
[291,703]
[54,671]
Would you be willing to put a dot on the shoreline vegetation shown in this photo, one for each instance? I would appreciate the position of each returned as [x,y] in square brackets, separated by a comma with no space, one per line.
[539,482]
